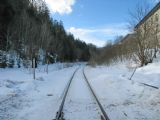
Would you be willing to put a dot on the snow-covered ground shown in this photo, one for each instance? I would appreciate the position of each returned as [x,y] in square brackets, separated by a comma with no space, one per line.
[125,99]
[23,98]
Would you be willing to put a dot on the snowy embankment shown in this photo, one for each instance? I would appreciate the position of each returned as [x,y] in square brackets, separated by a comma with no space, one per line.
[23,98]
[125,99]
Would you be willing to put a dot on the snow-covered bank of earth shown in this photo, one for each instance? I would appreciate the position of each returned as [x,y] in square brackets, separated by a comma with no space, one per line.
[22,98]
[125,99]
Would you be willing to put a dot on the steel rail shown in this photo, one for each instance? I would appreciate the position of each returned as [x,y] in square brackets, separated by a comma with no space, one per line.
[104,115]
[60,114]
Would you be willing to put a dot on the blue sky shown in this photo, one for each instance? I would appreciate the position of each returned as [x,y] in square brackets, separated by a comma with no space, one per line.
[94,21]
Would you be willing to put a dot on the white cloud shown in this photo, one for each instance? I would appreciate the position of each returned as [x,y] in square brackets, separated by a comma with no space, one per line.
[156,1]
[86,35]
[60,6]
[98,36]
[153,2]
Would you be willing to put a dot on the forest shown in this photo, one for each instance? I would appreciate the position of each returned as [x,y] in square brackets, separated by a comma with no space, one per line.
[27,31]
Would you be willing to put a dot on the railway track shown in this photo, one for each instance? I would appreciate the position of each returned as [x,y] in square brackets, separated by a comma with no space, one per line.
[60,114]
[104,115]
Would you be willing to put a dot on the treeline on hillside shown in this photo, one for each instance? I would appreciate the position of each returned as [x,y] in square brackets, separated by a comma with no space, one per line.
[114,51]
[141,46]
[27,31]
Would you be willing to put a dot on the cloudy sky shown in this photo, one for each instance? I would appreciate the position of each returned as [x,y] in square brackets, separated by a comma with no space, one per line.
[94,21]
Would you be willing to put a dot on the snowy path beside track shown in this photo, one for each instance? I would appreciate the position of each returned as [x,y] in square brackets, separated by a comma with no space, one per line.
[28,99]
[124,99]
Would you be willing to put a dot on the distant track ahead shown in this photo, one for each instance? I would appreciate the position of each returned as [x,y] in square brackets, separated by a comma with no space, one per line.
[60,114]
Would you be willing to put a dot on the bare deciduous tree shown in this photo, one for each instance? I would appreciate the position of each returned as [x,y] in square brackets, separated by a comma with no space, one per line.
[145,36]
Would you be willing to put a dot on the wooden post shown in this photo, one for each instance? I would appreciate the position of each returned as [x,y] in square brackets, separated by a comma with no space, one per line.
[34,69]
[133,73]
[47,66]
